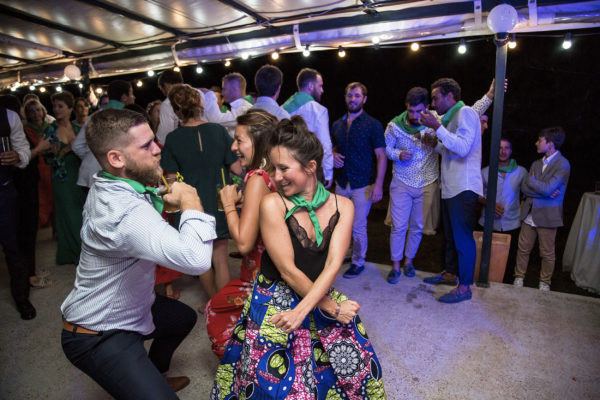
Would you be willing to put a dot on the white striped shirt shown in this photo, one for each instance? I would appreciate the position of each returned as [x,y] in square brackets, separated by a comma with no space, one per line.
[123,238]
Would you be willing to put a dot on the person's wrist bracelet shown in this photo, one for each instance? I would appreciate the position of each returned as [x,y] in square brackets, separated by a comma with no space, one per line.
[337,310]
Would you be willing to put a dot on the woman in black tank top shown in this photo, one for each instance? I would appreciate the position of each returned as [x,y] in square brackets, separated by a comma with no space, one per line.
[298,336]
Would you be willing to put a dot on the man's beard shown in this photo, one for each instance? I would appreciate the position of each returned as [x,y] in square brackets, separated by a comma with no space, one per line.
[354,109]
[413,122]
[147,177]
[315,95]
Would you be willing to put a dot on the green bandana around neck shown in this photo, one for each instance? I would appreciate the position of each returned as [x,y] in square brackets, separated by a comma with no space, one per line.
[451,113]
[157,201]
[296,101]
[114,104]
[248,98]
[401,122]
[512,165]
[320,197]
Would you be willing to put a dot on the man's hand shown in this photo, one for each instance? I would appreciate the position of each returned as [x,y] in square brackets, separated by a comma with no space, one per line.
[405,155]
[338,160]
[490,92]
[328,183]
[9,158]
[499,210]
[184,195]
[376,193]
[429,140]
[429,120]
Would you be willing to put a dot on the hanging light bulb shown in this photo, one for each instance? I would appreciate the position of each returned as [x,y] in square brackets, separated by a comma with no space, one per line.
[567,42]
[274,55]
[32,88]
[80,86]
[512,42]
[245,56]
[199,69]
[13,88]
[99,90]
[59,89]
[375,39]
[139,83]
[415,46]
[462,47]
[150,73]
[42,89]
[227,63]
[306,51]
[341,52]
[176,68]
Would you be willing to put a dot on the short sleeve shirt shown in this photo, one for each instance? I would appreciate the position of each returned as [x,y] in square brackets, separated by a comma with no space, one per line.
[357,145]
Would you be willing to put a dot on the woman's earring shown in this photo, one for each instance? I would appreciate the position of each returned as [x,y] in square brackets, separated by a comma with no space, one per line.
[263,163]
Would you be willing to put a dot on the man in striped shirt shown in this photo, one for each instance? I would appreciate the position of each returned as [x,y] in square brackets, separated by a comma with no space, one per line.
[112,308]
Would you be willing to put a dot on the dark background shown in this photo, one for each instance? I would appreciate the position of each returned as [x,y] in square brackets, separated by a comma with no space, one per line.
[547,86]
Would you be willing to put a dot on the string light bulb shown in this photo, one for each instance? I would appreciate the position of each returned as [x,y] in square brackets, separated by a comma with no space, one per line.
[199,69]
[150,73]
[139,83]
[32,88]
[462,47]
[341,51]
[42,89]
[99,90]
[512,42]
[176,69]
[274,55]
[567,42]
[227,63]
[375,39]
[80,86]
[306,51]
[245,56]
[59,89]
[415,46]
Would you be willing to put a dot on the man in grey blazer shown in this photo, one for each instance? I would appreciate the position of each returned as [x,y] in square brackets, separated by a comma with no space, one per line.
[541,213]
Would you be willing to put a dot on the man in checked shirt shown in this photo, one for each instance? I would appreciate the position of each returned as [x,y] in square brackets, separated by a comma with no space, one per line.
[112,308]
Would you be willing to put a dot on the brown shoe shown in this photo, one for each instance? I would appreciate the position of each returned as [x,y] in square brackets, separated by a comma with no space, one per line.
[178,382]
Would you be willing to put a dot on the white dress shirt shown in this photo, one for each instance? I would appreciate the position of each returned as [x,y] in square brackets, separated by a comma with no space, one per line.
[460,148]
[123,238]
[169,121]
[268,104]
[18,142]
[508,193]
[317,119]
[228,119]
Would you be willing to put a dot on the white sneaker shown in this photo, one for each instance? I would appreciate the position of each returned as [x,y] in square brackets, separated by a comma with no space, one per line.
[518,282]
[544,287]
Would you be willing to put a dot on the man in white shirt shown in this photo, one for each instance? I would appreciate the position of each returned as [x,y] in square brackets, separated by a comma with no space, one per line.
[112,308]
[234,93]
[305,103]
[459,135]
[15,152]
[168,120]
[268,80]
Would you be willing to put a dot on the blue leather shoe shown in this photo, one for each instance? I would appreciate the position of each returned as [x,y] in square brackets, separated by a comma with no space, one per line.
[455,296]
[394,276]
[354,271]
[439,280]
[409,270]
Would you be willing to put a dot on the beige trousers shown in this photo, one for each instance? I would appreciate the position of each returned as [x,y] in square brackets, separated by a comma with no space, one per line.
[546,237]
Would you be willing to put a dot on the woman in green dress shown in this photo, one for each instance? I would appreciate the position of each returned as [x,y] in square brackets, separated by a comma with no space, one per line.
[201,152]
[68,196]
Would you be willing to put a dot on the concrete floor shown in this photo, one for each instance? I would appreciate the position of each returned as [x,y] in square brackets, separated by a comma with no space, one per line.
[506,343]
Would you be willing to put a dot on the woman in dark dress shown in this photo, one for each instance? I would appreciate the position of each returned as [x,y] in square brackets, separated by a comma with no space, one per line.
[299,338]
[201,152]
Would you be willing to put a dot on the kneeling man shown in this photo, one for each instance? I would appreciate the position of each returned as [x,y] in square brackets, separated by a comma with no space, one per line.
[112,308]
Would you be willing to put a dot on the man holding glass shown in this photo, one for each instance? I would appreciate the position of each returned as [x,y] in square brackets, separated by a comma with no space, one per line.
[112,308]
[14,152]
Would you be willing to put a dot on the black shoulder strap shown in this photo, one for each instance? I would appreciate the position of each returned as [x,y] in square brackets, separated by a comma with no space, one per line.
[4,125]
[280,195]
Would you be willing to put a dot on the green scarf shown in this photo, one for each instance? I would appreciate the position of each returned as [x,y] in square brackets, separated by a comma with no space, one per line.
[114,104]
[248,98]
[400,122]
[157,201]
[296,101]
[320,197]
[451,113]
[512,165]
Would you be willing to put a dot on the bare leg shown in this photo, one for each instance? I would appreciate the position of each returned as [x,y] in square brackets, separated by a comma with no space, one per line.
[396,265]
[407,260]
[219,258]
[207,280]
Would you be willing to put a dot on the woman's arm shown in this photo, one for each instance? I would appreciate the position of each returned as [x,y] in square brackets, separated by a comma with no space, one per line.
[244,228]
[278,243]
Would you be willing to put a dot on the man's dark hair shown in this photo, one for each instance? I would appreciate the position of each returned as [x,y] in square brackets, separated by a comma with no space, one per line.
[306,76]
[416,96]
[236,77]
[447,85]
[267,80]
[554,134]
[118,88]
[354,85]
[11,102]
[505,139]
[169,76]
[108,130]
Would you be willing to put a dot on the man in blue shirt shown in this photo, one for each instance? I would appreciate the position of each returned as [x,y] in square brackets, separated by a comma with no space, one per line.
[357,140]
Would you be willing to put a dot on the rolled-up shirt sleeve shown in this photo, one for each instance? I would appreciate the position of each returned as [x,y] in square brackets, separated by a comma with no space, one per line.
[18,142]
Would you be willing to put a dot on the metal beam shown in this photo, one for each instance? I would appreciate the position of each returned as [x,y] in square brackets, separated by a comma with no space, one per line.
[234,4]
[134,16]
[24,60]
[49,24]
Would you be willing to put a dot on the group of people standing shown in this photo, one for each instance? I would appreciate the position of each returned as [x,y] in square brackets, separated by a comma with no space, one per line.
[280,330]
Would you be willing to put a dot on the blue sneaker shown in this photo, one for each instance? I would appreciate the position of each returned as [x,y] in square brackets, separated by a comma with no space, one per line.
[439,279]
[455,296]
[409,270]
[394,276]
[354,271]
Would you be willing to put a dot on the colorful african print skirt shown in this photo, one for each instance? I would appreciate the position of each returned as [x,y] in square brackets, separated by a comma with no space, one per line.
[323,359]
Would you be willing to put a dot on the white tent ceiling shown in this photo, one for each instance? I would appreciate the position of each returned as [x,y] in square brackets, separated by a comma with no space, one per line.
[38,38]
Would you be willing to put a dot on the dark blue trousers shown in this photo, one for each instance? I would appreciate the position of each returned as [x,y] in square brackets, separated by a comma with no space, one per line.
[459,219]
[117,360]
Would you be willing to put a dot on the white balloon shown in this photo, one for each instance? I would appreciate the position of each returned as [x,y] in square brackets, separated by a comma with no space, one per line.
[502,18]
[72,72]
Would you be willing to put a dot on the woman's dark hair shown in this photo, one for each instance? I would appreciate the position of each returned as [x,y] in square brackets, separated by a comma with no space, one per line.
[260,126]
[293,134]
[65,97]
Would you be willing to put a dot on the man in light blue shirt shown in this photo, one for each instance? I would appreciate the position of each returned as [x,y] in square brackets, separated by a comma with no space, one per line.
[268,80]
[112,308]
[508,201]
